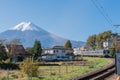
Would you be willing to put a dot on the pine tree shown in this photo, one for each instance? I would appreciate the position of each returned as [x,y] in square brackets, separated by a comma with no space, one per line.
[37,50]
[68,44]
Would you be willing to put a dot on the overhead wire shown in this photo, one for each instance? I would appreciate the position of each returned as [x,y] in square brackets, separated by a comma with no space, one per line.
[102,11]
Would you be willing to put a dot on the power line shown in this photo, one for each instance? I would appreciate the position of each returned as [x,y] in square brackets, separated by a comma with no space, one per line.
[102,11]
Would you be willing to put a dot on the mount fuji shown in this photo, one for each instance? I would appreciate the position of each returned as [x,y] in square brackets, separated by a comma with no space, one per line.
[28,32]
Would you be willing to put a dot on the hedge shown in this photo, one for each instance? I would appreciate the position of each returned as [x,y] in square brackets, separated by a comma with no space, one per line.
[9,66]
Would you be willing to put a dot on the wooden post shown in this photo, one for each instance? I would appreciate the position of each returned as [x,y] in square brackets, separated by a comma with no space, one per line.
[59,71]
[51,71]
[7,74]
[73,67]
[66,68]
[30,74]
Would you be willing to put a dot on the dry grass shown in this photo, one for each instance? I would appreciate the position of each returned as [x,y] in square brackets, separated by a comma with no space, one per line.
[63,72]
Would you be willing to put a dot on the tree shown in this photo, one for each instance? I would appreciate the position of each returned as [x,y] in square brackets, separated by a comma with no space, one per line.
[99,41]
[91,41]
[101,37]
[37,50]
[112,50]
[96,41]
[117,46]
[106,35]
[15,41]
[3,54]
[68,44]
[30,50]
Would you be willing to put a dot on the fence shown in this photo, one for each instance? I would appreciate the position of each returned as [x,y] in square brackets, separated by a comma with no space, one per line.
[50,72]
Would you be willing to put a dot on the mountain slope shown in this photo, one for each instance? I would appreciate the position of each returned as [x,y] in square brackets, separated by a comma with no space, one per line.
[27,32]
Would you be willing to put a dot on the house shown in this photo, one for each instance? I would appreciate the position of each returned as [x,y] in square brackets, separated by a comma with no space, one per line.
[76,51]
[57,53]
[83,48]
[17,52]
[107,44]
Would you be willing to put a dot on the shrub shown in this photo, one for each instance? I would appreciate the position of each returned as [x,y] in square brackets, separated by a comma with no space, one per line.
[7,60]
[34,78]
[4,78]
[14,76]
[53,73]
[29,67]
[91,66]
[9,66]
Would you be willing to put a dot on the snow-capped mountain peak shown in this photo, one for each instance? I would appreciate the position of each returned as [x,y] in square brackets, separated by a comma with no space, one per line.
[23,26]
[28,32]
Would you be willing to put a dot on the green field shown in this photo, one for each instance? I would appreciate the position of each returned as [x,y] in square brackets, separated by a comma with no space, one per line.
[61,73]
[64,72]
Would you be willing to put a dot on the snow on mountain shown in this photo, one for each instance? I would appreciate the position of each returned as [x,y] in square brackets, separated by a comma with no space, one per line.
[27,32]
[23,26]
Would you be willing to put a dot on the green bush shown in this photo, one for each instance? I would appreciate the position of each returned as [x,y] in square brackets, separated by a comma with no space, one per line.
[53,73]
[8,66]
[29,67]
[34,78]
[14,76]
[3,78]
[7,60]
[91,66]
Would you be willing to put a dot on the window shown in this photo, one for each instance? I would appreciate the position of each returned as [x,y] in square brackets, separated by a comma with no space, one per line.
[53,51]
[57,51]
[63,51]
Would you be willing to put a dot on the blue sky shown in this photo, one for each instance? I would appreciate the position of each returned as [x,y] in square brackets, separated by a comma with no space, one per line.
[71,19]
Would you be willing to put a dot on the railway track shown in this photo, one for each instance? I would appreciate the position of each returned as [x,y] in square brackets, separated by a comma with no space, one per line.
[102,74]
[112,77]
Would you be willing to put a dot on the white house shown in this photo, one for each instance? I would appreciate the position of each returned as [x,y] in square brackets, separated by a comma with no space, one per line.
[107,44]
[76,51]
[57,53]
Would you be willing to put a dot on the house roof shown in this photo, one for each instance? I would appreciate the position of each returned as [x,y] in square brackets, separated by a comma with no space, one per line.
[61,47]
[16,49]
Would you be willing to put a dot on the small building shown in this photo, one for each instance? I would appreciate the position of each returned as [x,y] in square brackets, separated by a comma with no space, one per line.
[83,48]
[17,52]
[76,51]
[107,44]
[57,53]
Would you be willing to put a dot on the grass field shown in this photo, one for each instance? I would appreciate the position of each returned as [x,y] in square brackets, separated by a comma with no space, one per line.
[66,72]
[71,71]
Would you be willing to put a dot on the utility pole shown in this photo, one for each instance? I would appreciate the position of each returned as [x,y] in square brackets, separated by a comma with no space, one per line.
[116,26]
[116,61]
